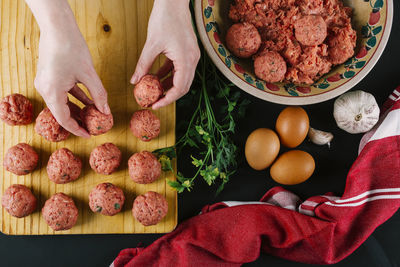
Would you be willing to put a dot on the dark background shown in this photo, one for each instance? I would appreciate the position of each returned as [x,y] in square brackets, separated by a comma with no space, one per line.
[381,249]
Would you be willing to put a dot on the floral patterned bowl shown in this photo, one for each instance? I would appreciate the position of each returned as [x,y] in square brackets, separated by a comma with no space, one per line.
[372,19]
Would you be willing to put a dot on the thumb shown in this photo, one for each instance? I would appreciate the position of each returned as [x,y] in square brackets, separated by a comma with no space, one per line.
[149,54]
[97,91]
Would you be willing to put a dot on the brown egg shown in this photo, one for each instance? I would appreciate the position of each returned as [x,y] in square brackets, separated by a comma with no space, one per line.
[292,167]
[292,126]
[262,147]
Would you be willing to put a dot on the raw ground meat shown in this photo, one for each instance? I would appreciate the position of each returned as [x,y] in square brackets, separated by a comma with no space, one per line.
[310,50]
[243,39]
[145,125]
[148,90]
[96,123]
[144,167]
[106,199]
[105,159]
[150,208]
[63,166]
[16,109]
[60,212]
[341,43]
[19,201]
[20,159]
[47,126]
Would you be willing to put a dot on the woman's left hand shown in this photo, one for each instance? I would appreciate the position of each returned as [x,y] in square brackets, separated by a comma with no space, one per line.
[170,32]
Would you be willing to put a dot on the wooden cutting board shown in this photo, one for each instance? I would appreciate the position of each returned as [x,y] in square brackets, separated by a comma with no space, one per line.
[115,32]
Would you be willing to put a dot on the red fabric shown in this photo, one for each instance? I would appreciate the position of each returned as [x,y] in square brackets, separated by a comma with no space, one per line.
[321,230]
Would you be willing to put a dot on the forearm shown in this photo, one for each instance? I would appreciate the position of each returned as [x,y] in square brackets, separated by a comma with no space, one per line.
[52,15]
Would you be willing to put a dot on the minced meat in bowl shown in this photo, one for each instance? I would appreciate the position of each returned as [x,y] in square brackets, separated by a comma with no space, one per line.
[310,51]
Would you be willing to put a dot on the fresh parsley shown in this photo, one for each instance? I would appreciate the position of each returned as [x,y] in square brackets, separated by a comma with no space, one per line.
[209,132]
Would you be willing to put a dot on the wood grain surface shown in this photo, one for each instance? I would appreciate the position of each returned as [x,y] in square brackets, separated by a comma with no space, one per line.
[115,32]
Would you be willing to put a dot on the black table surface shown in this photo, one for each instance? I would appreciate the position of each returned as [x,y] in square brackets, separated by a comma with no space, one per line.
[381,249]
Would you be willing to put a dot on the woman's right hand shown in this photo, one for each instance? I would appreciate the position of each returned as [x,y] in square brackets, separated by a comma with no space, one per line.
[64,61]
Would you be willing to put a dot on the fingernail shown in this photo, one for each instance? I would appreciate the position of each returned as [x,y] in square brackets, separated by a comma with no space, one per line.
[84,134]
[106,109]
[134,79]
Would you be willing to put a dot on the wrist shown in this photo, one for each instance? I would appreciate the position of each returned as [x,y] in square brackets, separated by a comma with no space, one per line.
[53,16]
[177,4]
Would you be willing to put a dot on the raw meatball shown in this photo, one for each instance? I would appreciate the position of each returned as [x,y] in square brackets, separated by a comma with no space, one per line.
[150,208]
[60,212]
[107,199]
[310,30]
[96,122]
[148,90]
[105,159]
[145,125]
[63,166]
[20,159]
[19,201]
[243,39]
[144,168]
[49,128]
[16,109]
[270,66]
[341,44]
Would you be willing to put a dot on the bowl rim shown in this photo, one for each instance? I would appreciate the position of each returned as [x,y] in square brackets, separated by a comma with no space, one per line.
[293,100]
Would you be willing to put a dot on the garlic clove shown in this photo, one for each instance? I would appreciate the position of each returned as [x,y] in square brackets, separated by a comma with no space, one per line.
[319,137]
[356,112]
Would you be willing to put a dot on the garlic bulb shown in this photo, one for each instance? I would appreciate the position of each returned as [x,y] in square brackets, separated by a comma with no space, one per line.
[356,112]
[320,137]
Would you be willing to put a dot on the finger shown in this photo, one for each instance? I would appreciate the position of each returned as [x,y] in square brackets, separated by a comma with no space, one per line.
[79,94]
[168,82]
[61,112]
[97,91]
[145,62]
[165,68]
[179,89]
[172,95]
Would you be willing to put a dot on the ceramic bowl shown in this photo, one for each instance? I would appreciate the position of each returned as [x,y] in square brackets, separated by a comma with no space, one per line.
[372,19]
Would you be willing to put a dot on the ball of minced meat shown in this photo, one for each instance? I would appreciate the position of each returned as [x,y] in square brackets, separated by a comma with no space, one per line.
[47,126]
[105,159]
[63,166]
[106,199]
[243,39]
[96,123]
[145,125]
[341,44]
[60,212]
[148,90]
[150,208]
[144,168]
[16,109]
[19,201]
[310,30]
[270,66]
[20,159]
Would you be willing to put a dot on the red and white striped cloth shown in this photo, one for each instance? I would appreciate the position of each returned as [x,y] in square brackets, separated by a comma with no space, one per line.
[321,230]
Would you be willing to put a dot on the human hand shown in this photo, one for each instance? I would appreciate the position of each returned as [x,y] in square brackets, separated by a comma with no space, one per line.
[170,32]
[64,61]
